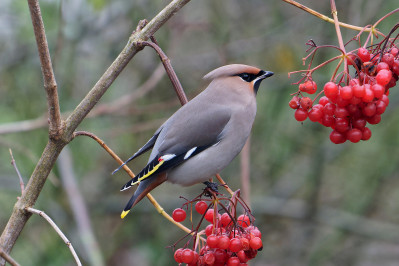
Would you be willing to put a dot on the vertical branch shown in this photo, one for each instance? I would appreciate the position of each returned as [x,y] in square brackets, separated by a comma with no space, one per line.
[339,35]
[245,172]
[50,84]
[79,208]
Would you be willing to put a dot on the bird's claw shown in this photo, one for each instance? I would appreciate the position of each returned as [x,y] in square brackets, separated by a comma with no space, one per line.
[211,188]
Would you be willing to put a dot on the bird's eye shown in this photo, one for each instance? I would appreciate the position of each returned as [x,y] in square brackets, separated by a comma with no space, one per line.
[246,77]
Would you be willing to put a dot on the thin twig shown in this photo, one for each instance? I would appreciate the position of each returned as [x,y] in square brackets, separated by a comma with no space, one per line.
[328,19]
[8,258]
[169,70]
[50,84]
[14,163]
[339,35]
[59,232]
[224,184]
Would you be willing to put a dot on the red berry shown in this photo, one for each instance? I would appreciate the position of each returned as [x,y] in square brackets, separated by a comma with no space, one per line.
[235,244]
[380,107]
[385,99]
[388,59]
[382,65]
[383,77]
[179,215]
[187,255]
[306,103]
[245,242]
[337,137]
[255,243]
[363,54]
[354,135]
[369,109]
[294,102]
[209,215]
[316,114]
[255,231]
[300,114]
[341,102]
[359,123]
[368,94]
[378,90]
[243,220]
[212,241]
[350,59]
[341,112]
[346,92]
[220,255]
[394,51]
[177,255]
[323,100]
[224,242]
[329,109]
[209,229]
[331,89]
[209,258]
[225,219]
[233,261]
[310,87]
[395,67]
[366,133]
[341,125]
[356,100]
[201,207]
[328,120]
[242,256]
[358,91]
[374,120]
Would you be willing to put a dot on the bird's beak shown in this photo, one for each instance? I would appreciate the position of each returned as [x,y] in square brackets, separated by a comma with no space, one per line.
[266,74]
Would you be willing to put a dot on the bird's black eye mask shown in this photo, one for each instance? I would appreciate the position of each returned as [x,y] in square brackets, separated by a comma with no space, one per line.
[248,77]
[251,77]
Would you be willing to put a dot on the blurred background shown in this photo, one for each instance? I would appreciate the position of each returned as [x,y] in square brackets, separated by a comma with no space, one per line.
[316,203]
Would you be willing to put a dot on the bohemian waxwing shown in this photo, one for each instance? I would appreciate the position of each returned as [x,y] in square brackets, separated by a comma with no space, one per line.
[204,135]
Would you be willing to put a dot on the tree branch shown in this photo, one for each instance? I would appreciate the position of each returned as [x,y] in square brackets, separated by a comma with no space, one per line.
[50,85]
[20,215]
[59,232]
[8,258]
[14,164]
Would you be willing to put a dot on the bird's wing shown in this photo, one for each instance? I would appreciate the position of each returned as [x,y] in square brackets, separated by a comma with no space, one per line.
[179,146]
[162,163]
[150,143]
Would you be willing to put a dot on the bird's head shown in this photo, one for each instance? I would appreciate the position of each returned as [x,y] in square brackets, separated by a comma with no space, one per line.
[242,75]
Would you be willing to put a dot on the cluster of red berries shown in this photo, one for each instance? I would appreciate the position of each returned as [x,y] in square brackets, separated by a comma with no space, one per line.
[347,108]
[229,241]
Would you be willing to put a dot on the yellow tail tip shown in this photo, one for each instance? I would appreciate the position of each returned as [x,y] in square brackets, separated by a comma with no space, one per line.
[124,213]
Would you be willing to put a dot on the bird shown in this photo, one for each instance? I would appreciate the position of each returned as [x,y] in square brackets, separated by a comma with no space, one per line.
[202,137]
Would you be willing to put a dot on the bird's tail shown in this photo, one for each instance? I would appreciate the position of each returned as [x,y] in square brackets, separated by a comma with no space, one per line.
[144,188]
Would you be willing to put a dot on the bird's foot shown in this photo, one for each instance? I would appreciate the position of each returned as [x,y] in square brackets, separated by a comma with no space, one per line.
[211,188]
